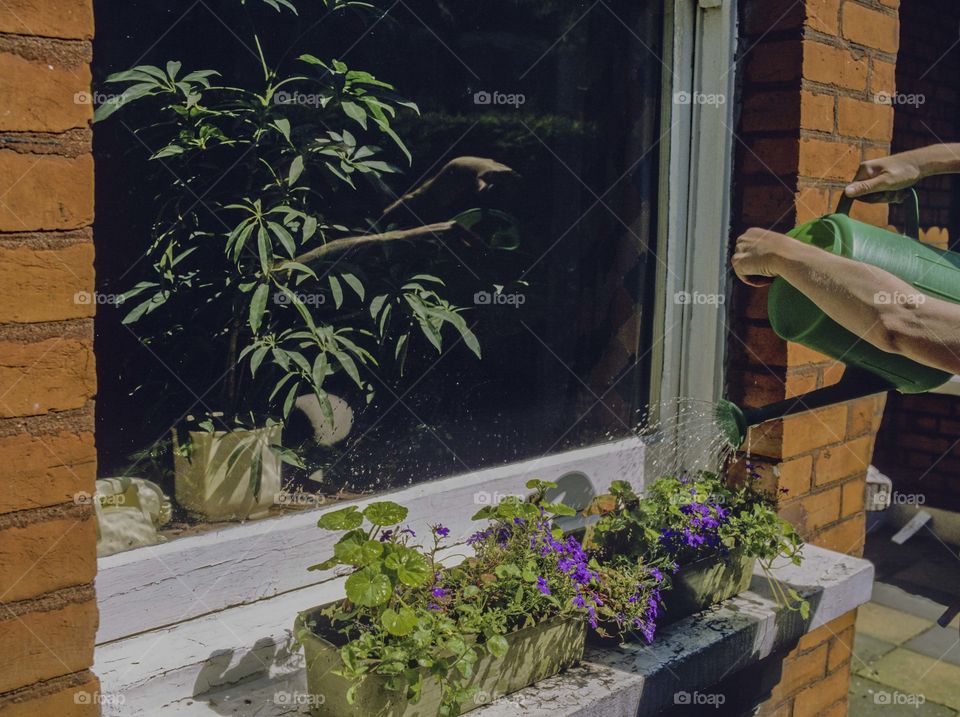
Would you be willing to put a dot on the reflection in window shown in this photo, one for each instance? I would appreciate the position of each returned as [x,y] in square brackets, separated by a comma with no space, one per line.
[468,288]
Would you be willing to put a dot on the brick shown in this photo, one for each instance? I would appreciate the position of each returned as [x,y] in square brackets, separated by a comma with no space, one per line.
[761,345]
[801,433]
[883,77]
[71,19]
[43,97]
[796,477]
[52,375]
[832,373]
[845,537]
[861,119]
[817,111]
[800,671]
[773,156]
[876,214]
[841,650]
[871,28]
[770,62]
[824,16]
[865,415]
[814,700]
[845,460]
[755,306]
[820,159]
[771,112]
[758,388]
[48,555]
[813,203]
[70,700]
[46,469]
[827,632]
[46,285]
[853,497]
[41,645]
[45,191]
[766,204]
[837,66]
[812,512]
[762,18]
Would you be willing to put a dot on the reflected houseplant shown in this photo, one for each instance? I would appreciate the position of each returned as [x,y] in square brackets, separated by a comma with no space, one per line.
[413,637]
[254,270]
[701,535]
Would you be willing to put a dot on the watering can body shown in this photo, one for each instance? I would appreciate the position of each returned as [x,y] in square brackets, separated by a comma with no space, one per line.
[930,271]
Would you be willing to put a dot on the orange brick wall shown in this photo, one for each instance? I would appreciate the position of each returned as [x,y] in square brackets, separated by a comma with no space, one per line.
[920,436]
[48,616]
[815,676]
[811,73]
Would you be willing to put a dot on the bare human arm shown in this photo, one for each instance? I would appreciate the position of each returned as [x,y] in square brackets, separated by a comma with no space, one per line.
[883,179]
[868,301]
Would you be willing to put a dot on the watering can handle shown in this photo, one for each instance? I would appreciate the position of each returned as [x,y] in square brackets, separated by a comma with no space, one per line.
[913,212]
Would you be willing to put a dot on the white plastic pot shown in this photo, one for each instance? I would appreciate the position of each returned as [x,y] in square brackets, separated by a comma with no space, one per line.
[215,476]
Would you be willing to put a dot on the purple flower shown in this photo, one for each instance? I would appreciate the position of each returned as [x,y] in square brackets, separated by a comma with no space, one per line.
[542,585]
[433,606]
[386,535]
[656,574]
[441,531]
[439,592]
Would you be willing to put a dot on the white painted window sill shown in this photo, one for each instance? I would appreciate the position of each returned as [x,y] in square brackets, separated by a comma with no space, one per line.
[251,647]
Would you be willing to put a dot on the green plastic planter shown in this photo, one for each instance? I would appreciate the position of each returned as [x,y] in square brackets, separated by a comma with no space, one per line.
[535,653]
[706,582]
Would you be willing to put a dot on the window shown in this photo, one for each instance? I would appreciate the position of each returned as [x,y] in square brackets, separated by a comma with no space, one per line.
[599,185]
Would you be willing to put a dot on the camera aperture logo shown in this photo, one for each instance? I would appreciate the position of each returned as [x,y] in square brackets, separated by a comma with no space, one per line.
[699,98]
[499,99]
[882,697]
[705,699]
[698,298]
[497,298]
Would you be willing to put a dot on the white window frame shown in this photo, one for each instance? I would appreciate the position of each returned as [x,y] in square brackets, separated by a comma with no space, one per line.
[148,590]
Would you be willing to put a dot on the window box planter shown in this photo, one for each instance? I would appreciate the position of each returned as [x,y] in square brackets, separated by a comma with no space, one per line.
[535,653]
[707,582]
[214,475]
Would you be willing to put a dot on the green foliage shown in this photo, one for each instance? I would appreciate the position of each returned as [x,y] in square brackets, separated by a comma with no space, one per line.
[408,617]
[682,519]
[266,170]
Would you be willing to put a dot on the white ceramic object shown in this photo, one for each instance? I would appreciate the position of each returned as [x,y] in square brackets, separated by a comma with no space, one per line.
[129,513]
[325,432]
[213,476]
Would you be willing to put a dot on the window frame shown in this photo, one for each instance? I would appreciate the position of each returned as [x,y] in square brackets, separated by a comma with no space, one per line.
[153,587]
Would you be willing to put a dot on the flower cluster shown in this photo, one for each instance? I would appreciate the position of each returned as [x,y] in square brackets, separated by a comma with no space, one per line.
[677,522]
[701,527]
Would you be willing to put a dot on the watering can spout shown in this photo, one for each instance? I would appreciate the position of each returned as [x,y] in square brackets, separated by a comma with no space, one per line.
[734,421]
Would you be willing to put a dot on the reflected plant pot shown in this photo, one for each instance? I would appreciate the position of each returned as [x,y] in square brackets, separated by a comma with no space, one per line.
[227,475]
[534,654]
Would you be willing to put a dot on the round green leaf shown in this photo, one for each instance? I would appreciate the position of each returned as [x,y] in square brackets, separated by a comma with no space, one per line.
[399,623]
[368,587]
[344,519]
[498,645]
[385,513]
[355,549]
[410,566]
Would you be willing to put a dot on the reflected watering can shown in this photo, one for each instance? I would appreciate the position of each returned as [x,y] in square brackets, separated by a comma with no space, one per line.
[796,318]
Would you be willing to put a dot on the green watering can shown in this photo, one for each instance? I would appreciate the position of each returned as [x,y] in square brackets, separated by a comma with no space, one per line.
[794,317]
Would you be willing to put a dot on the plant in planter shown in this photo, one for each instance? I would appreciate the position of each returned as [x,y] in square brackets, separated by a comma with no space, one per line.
[415,637]
[257,293]
[703,533]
